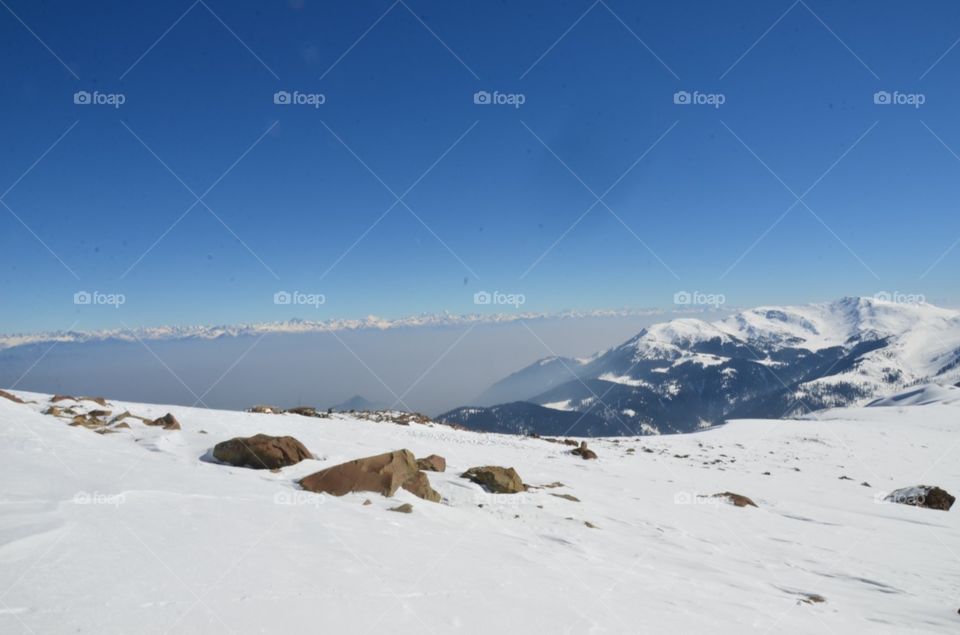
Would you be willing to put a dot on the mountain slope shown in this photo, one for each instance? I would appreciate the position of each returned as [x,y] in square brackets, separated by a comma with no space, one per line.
[768,362]
[133,533]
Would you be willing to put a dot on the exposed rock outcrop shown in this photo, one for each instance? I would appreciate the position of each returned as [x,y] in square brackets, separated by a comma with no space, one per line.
[495,479]
[738,500]
[928,496]
[261,452]
[4,394]
[584,452]
[383,473]
[167,422]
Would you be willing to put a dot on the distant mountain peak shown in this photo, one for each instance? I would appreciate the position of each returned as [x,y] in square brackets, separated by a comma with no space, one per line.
[767,362]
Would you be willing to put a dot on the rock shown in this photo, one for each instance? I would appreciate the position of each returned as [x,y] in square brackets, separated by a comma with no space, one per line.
[432,463]
[584,452]
[261,451]
[419,485]
[99,413]
[406,508]
[53,411]
[269,410]
[383,473]
[97,400]
[845,478]
[812,598]
[368,502]
[928,496]
[13,398]
[122,424]
[589,524]
[865,484]
[499,480]
[304,411]
[737,499]
[570,442]
[126,415]
[167,421]
[568,497]
[91,423]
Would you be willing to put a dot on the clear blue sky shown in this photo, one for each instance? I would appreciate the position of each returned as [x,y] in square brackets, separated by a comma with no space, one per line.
[800,97]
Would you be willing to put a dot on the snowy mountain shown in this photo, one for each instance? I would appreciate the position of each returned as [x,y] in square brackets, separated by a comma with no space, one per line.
[139,531]
[770,362]
[297,325]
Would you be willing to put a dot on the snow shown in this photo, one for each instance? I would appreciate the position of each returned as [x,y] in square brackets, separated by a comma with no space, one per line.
[133,532]
[920,396]
[625,380]
[370,322]
[559,405]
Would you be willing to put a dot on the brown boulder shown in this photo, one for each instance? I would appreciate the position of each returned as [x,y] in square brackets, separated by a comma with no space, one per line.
[432,463]
[406,508]
[419,485]
[261,451]
[928,496]
[737,499]
[167,422]
[383,473]
[584,452]
[13,398]
[499,480]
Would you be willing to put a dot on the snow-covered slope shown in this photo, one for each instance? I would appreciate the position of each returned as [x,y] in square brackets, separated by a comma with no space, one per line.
[770,361]
[134,533]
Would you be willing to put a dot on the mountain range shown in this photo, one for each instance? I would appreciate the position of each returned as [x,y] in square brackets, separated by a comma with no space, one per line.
[688,374]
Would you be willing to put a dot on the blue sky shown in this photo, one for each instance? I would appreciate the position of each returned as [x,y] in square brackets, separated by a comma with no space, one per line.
[300,195]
